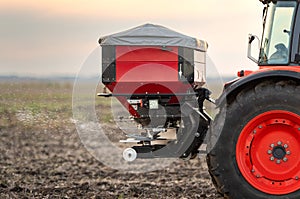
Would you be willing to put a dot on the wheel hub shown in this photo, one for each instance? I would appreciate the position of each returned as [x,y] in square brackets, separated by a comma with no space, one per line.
[279,152]
[266,152]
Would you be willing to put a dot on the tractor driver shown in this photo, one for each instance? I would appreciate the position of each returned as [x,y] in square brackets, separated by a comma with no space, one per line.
[281,54]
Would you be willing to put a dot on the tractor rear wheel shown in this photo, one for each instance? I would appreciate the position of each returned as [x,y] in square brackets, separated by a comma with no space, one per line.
[257,151]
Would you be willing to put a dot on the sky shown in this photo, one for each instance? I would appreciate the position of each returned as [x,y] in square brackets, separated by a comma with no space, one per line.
[54,37]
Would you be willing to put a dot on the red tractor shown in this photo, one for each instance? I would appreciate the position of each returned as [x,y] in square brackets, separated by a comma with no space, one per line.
[253,142]
[257,131]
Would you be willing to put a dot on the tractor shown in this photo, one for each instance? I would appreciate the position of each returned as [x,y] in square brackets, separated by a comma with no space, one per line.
[254,140]
[256,134]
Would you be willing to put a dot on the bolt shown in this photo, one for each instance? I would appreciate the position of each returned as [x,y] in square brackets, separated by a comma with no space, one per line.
[260,126]
[272,158]
[257,175]
[254,131]
[269,152]
[284,159]
[279,142]
[278,161]
[252,170]
[297,178]
[285,146]
[272,145]
[288,152]
[197,134]
[299,129]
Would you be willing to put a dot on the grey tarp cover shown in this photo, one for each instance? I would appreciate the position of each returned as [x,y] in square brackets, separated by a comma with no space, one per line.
[152,35]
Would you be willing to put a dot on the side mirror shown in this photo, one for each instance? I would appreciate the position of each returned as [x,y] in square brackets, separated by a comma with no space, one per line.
[251,39]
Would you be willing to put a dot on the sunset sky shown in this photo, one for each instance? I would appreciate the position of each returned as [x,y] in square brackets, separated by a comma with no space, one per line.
[44,38]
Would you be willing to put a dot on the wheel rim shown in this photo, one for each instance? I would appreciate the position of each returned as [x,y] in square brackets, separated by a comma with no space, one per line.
[267,152]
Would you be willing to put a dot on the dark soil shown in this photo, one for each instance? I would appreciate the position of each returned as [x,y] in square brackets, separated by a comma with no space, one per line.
[54,164]
[41,155]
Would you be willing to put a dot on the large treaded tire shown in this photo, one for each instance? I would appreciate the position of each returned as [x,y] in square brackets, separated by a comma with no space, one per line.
[223,136]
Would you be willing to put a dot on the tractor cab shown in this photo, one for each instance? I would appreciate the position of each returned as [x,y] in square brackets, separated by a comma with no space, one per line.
[281,33]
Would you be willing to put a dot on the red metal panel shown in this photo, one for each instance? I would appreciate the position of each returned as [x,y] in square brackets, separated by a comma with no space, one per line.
[290,68]
[268,68]
[146,64]
[146,71]
[146,53]
[150,88]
